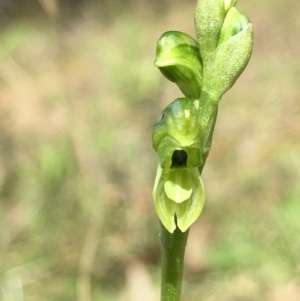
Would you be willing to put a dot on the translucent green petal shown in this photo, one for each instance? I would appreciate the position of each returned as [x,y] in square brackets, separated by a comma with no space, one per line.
[165,208]
[178,184]
[187,212]
[165,151]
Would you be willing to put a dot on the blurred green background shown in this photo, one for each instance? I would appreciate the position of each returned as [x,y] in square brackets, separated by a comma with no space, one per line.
[78,97]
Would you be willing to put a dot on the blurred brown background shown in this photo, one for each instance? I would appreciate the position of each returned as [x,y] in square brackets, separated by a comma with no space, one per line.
[78,97]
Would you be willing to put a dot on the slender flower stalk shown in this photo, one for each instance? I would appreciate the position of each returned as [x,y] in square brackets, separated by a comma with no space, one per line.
[203,69]
[172,260]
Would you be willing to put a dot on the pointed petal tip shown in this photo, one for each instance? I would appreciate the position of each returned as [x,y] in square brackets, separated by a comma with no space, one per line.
[171,229]
[183,228]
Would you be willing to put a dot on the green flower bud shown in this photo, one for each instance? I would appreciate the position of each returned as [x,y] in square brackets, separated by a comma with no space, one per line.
[209,17]
[233,24]
[178,59]
[228,62]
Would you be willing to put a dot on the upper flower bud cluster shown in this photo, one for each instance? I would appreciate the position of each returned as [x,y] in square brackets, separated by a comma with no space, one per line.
[225,38]
[216,59]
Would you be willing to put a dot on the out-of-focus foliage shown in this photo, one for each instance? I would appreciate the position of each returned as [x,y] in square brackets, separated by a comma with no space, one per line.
[78,98]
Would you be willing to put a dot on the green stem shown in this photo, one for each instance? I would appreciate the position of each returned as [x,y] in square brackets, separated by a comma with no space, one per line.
[172,249]
[208,112]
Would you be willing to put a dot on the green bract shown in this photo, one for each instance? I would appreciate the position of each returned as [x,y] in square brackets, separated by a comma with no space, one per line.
[178,59]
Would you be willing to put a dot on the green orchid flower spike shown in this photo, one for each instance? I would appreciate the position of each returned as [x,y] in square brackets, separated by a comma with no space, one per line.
[178,190]
[203,69]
